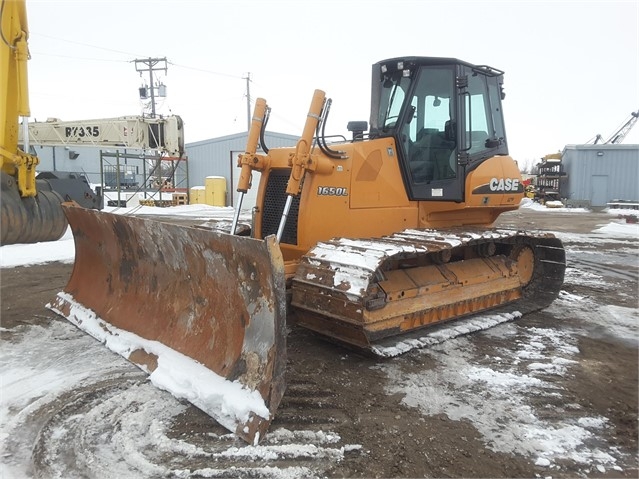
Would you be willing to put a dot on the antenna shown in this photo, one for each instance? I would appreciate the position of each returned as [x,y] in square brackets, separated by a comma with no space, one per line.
[248,100]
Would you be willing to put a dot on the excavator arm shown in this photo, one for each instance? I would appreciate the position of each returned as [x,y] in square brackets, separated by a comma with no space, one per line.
[28,215]
[14,54]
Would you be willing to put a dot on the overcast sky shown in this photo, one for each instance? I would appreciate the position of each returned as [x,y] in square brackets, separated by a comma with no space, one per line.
[572,67]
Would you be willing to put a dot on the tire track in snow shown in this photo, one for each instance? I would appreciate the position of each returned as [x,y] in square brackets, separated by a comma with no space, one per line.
[78,410]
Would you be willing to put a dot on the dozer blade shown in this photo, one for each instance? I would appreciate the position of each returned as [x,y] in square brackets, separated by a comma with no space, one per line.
[202,311]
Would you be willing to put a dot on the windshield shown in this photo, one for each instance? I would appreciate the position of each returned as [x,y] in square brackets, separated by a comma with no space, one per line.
[393,94]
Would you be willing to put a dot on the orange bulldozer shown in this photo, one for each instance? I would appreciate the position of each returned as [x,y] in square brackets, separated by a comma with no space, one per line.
[365,241]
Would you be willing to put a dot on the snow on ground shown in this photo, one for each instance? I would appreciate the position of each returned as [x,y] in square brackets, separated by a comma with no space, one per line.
[191,211]
[555,207]
[64,249]
[533,205]
[620,229]
[495,395]
[508,397]
[83,405]
[604,319]
[125,430]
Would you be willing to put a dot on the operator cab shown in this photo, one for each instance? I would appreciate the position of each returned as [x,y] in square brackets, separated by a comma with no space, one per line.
[445,116]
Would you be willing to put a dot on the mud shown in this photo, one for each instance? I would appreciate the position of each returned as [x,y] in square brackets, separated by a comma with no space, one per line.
[348,406]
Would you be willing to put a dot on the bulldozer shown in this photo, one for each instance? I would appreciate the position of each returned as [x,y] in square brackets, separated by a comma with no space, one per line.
[363,240]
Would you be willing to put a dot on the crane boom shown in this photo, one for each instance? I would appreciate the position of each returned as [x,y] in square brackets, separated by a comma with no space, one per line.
[619,135]
[164,134]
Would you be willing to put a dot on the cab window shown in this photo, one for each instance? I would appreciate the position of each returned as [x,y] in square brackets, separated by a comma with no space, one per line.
[477,114]
[431,146]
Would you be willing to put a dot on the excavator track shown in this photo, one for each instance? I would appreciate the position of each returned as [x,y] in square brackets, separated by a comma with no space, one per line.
[30,219]
[363,291]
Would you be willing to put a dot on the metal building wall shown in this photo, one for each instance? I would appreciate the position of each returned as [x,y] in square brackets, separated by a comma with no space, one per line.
[59,158]
[218,157]
[599,174]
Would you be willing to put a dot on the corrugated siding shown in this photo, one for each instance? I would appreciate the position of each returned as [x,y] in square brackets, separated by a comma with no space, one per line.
[87,162]
[217,156]
[602,173]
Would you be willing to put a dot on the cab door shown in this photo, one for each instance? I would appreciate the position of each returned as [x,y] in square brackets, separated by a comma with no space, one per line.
[429,136]
[452,124]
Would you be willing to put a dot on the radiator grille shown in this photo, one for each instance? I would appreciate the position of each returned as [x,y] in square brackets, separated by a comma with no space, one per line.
[274,202]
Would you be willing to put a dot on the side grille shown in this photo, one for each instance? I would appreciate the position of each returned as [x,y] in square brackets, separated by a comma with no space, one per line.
[274,202]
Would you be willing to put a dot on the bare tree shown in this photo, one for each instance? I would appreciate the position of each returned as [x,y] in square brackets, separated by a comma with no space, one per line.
[527,166]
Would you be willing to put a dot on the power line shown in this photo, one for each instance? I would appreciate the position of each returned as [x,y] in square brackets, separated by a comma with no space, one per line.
[178,65]
[85,44]
[228,75]
[187,67]
[40,54]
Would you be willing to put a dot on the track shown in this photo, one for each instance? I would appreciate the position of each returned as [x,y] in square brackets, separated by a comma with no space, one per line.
[360,292]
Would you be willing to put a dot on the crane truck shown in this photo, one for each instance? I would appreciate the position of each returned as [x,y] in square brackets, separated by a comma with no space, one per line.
[365,241]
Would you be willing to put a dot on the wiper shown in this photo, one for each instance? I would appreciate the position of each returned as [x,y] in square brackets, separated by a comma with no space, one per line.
[388,108]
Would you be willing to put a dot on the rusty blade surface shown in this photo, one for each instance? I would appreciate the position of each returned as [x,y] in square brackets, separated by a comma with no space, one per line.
[211,297]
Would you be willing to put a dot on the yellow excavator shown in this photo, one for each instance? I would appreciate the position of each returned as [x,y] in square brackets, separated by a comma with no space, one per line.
[30,210]
[365,240]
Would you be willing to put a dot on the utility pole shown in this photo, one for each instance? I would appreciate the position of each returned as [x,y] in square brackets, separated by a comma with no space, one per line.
[248,100]
[151,65]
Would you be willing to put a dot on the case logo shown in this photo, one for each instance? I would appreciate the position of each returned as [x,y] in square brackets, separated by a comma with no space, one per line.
[504,184]
[499,186]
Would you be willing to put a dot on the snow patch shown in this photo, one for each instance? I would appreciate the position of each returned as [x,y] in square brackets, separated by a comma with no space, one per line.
[229,402]
[494,395]
[436,336]
[62,250]
[82,402]
[620,229]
